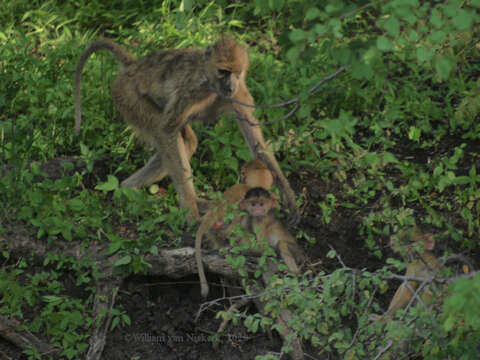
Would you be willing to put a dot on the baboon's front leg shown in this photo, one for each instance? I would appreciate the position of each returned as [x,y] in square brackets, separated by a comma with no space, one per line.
[253,136]
[190,143]
[190,140]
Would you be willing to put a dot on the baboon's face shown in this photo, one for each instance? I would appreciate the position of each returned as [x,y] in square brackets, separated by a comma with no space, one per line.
[226,66]
[227,82]
[409,242]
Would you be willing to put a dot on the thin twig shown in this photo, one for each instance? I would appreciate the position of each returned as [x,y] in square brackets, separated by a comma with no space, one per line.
[413,298]
[359,328]
[353,12]
[384,350]
[338,256]
[295,100]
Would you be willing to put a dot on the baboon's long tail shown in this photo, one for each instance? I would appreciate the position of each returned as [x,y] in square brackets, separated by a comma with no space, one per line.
[198,256]
[122,56]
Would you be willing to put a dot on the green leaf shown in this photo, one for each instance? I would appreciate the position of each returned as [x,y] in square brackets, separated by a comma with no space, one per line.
[462,180]
[297,35]
[292,54]
[320,29]
[444,66]
[462,20]
[388,157]
[114,247]
[424,54]
[413,36]
[127,259]
[392,26]
[110,185]
[411,3]
[185,5]
[449,323]
[115,322]
[76,204]
[360,70]
[52,299]
[436,19]
[437,37]
[414,133]
[312,13]
[349,205]
[475,3]
[84,150]
[153,250]
[384,44]
[67,234]
[236,23]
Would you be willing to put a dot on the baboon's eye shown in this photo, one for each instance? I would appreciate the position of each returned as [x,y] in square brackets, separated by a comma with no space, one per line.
[223,73]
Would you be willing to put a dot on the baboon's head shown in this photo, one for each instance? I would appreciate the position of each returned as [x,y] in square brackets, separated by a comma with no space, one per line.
[226,65]
[410,241]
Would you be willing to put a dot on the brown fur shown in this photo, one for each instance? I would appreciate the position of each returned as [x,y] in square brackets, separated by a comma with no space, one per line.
[160,93]
[259,205]
[254,173]
[416,248]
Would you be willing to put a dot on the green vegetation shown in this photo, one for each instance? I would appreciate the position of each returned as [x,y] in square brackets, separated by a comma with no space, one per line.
[396,137]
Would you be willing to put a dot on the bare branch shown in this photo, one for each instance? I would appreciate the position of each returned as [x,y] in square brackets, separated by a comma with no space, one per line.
[384,349]
[295,100]
[337,256]
[431,280]
[24,339]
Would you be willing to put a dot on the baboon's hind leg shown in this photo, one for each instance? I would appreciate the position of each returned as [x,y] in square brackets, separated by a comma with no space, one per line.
[176,161]
[154,170]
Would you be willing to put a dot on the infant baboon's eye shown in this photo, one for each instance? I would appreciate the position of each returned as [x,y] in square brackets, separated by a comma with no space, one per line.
[223,73]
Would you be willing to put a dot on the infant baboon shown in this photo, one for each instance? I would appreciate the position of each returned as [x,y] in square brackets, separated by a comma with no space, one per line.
[259,205]
[159,94]
[254,173]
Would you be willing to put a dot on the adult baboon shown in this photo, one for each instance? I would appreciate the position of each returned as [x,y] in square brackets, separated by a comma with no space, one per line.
[158,94]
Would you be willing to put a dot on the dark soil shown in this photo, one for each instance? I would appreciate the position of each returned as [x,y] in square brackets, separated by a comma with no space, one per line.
[163,326]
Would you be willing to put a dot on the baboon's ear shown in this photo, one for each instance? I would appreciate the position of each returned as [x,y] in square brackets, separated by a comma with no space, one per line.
[243,205]
[274,199]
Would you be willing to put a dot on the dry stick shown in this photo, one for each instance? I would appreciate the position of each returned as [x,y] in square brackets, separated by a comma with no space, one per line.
[24,339]
[225,322]
[284,318]
[431,280]
[405,310]
[337,256]
[232,308]
[4,356]
[384,350]
[413,298]
[358,329]
[107,289]
[295,100]
[355,11]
